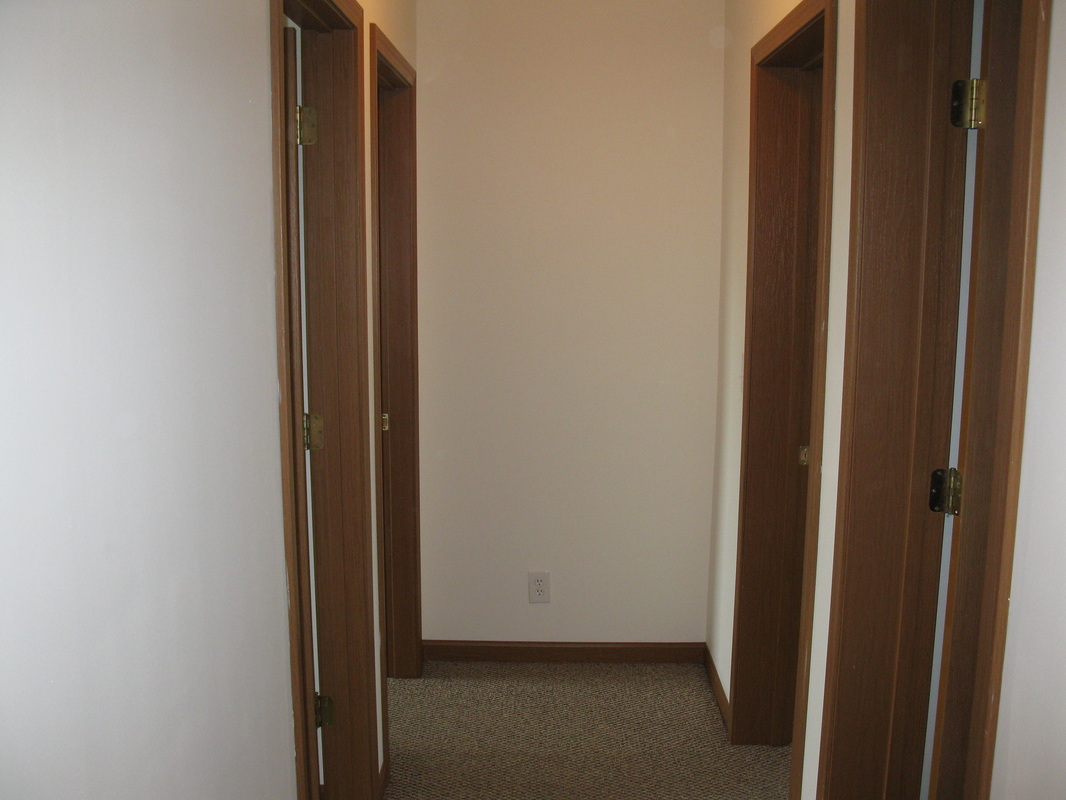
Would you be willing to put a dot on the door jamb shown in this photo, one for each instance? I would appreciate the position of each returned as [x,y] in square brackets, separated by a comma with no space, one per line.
[399,572]
[1015,61]
[788,30]
[814,477]
[294,511]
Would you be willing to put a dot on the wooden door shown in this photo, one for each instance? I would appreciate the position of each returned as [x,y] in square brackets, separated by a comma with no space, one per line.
[396,282]
[788,223]
[332,270]
[337,389]
[1014,56]
[898,386]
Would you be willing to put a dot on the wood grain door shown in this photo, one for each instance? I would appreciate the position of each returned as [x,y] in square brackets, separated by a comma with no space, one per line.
[898,386]
[330,329]
[392,125]
[788,226]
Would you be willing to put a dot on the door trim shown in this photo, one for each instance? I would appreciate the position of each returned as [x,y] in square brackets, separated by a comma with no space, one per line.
[814,479]
[1015,60]
[399,567]
[290,376]
[770,654]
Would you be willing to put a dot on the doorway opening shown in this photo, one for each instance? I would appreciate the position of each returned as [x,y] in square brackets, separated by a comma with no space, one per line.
[395,345]
[793,87]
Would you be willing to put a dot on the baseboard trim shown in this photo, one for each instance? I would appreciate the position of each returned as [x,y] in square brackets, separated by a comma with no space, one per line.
[567,652]
[719,690]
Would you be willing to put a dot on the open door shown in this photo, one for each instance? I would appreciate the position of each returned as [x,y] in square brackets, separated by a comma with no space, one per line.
[903,290]
[792,90]
[1014,65]
[331,570]
[899,373]
[392,147]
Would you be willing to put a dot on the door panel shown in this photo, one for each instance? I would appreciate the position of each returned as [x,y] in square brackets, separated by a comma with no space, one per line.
[784,225]
[335,286]
[393,144]
[1008,175]
[899,373]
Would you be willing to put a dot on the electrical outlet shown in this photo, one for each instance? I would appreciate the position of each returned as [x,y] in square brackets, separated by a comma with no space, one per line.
[540,587]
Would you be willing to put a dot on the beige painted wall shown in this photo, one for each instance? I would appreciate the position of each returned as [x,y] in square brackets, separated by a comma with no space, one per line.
[143,608]
[569,157]
[396,18]
[140,528]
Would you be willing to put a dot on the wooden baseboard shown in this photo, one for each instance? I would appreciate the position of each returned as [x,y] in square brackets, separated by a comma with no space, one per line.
[719,690]
[567,652]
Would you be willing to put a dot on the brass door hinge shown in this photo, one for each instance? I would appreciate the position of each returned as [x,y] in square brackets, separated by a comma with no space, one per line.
[968,103]
[314,434]
[945,491]
[323,710]
[306,125]
[384,422]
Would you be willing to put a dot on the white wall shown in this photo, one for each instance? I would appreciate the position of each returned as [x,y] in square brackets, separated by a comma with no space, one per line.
[142,582]
[1032,720]
[569,187]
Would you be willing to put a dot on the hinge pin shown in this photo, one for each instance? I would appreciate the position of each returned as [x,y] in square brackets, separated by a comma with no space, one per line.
[306,125]
[945,491]
[968,103]
[314,433]
[323,710]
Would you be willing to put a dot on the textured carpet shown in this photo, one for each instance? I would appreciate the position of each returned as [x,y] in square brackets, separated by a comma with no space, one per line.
[476,731]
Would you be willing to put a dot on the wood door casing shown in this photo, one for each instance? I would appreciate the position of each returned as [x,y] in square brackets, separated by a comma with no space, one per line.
[392,110]
[898,385]
[299,557]
[785,248]
[1015,57]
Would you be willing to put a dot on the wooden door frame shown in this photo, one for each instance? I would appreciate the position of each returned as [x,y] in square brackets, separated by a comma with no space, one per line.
[1015,59]
[998,335]
[399,563]
[344,101]
[768,717]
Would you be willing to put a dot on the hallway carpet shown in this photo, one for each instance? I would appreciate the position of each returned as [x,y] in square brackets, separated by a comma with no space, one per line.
[474,731]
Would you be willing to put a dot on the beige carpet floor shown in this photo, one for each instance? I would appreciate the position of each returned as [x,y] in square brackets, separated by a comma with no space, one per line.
[472,731]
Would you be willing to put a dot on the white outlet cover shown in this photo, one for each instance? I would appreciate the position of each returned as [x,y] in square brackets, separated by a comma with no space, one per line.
[540,587]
